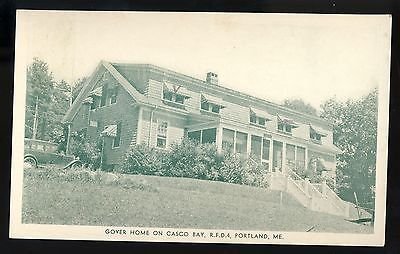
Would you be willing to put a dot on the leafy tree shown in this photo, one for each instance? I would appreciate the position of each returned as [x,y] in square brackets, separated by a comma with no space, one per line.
[48,99]
[300,105]
[40,84]
[355,132]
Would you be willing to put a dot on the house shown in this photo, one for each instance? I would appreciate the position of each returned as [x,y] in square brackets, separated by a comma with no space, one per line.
[142,103]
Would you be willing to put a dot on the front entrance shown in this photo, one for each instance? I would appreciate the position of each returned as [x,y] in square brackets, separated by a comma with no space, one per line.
[277,153]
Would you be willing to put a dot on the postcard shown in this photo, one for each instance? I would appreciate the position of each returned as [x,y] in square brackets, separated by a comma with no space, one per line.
[250,128]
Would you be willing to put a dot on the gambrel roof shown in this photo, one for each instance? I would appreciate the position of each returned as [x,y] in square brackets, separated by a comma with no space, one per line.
[127,76]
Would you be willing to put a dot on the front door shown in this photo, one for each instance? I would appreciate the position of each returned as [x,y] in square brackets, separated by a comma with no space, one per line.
[277,156]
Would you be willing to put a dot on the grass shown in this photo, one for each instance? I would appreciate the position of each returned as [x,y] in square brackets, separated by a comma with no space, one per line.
[151,201]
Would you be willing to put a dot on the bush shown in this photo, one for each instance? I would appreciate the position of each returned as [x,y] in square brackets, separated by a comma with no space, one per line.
[89,152]
[144,160]
[193,160]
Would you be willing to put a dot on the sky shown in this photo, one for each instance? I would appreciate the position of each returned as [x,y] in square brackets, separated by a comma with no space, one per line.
[271,56]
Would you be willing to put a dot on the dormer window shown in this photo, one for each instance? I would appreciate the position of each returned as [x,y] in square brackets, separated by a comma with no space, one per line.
[316,134]
[258,117]
[286,125]
[211,104]
[174,95]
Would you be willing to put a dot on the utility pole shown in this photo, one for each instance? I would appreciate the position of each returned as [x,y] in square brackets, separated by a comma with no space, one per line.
[35,118]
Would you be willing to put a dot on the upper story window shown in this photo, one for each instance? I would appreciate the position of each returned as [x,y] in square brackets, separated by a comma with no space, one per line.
[113,95]
[258,117]
[286,125]
[162,130]
[316,134]
[95,96]
[174,95]
[211,104]
[103,96]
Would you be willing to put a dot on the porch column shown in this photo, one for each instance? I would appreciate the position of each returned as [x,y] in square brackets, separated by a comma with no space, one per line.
[306,158]
[249,144]
[271,153]
[284,168]
[218,139]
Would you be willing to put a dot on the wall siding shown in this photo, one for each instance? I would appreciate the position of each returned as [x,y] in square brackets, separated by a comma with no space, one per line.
[175,130]
[123,111]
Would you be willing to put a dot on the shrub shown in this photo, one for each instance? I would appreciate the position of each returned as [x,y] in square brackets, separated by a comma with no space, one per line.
[89,152]
[144,160]
[193,160]
[232,168]
[255,173]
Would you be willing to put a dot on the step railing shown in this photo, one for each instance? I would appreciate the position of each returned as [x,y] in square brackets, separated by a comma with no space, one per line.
[323,198]
[342,205]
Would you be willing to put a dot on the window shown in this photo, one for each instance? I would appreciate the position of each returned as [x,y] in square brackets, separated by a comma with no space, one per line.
[93,123]
[195,135]
[265,150]
[253,118]
[241,143]
[211,104]
[179,98]
[205,105]
[258,117]
[290,155]
[256,146]
[215,108]
[208,136]
[96,103]
[256,120]
[286,128]
[286,125]
[316,134]
[173,98]
[211,107]
[277,156]
[228,139]
[117,138]
[167,95]
[113,96]
[315,137]
[162,134]
[261,121]
[300,158]
[281,127]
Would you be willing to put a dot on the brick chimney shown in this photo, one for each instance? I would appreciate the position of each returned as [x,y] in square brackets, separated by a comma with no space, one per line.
[212,78]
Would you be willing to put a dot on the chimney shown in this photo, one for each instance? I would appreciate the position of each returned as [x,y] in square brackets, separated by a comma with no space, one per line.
[212,78]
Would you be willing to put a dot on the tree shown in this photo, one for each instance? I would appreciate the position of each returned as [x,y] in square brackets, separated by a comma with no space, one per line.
[46,103]
[40,83]
[355,132]
[300,105]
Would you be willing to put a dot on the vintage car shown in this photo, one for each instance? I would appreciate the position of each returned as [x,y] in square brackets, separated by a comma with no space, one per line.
[38,153]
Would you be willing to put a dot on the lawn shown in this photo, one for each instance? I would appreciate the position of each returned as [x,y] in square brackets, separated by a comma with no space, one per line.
[152,201]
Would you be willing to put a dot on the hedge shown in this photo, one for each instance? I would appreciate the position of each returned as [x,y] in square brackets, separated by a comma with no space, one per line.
[190,159]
